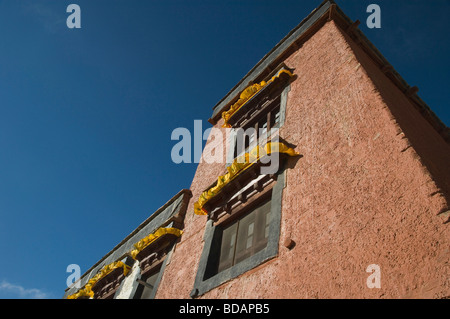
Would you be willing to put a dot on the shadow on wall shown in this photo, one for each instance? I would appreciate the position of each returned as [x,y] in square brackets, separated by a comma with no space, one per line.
[431,147]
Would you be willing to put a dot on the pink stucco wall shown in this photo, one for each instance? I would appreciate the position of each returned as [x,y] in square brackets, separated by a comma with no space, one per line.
[358,196]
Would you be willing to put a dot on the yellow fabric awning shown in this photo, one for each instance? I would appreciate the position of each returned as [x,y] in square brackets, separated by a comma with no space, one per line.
[247,94]
[239,165]
[86,291]
[146,241]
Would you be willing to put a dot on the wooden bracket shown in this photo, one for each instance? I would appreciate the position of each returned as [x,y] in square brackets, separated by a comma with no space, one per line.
[387,69]
[353,26]
[411,91]
[331,12]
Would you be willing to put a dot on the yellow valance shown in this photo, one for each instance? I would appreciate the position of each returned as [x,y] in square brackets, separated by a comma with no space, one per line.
[247,94]
[87,289]
[239,165]
[144,242]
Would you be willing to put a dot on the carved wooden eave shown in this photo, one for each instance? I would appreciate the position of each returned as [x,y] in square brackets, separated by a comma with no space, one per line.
[293,41]
[226,205]
[154,254]
[246,185]
[243,163]
[106,287]
[255,95]
[102,276]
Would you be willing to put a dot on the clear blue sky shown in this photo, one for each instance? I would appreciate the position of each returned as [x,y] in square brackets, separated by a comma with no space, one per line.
[86,114]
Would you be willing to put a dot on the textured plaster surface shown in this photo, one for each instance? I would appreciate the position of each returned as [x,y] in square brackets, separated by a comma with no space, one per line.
[373,177]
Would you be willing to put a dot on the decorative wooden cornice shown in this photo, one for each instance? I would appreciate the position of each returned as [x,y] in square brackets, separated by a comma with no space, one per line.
[150,239]
[113,271]
[248,93]
[326,12]
[176,220]
[105,287]
[87,290]
[239,165]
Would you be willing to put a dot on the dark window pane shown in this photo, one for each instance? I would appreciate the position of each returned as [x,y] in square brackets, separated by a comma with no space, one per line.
[262,125]
[275,117]
[245,237]
[148,287]
[228,247]
[251,236]
[262,225]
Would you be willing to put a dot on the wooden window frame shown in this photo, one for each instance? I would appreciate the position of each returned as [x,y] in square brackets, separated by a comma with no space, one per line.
[266,115]
[230,204]
[152,260]
[156,270]
[207,277]
[261,105]
[107,287]
[236,220]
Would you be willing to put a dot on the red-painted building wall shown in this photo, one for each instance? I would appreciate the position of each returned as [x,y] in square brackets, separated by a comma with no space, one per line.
[372,187]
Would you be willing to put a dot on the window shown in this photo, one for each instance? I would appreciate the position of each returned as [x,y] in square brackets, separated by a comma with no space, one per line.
[245,237]
[107,280]
[256,129]
[260,115]
[244,219]
[147,285]
[152,261]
